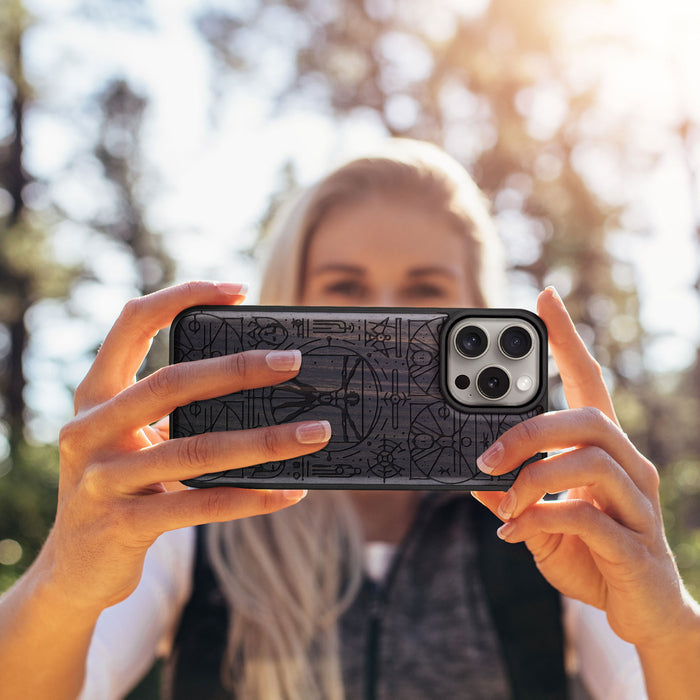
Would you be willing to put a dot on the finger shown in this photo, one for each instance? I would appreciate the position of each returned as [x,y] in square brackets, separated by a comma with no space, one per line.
[159,431]
[185,458]
[177,385]
[130,338]
[580,373]
[173,510]
[590,468]
[562,430]
[542,544]
[606,538]
[491,499]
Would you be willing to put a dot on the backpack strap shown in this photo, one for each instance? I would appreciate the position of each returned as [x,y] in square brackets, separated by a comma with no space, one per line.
[526,611]
[193,669]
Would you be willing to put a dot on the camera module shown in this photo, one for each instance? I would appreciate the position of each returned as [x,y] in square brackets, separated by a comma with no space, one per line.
[515,342]
[493,360]
[471,341]
[493,383]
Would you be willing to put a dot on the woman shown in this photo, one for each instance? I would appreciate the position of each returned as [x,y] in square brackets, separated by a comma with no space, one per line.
[407,228]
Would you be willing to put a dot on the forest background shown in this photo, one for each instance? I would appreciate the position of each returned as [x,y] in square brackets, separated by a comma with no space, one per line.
[148,142]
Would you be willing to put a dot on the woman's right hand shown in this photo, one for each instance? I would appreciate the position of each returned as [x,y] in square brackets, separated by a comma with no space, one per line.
[113,501]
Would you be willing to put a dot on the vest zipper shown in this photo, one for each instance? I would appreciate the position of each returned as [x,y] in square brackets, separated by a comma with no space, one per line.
[374,629]
[379,594]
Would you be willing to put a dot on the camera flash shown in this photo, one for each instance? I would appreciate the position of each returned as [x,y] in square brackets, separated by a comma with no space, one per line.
[524,383]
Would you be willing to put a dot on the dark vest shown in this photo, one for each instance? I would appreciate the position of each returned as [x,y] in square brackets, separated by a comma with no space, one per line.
[461,615]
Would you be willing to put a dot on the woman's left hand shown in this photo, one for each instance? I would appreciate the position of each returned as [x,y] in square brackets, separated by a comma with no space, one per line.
[603,543]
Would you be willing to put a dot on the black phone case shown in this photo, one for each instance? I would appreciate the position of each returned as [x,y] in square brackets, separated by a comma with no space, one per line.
[374,373]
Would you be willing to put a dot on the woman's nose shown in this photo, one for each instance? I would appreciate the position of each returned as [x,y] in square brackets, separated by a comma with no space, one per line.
[386,296]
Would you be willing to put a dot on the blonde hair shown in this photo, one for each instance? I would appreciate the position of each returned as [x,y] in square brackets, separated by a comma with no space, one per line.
[287,577]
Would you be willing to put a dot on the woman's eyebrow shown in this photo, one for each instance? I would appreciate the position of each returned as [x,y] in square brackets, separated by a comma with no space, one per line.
[339,267]
[434,270]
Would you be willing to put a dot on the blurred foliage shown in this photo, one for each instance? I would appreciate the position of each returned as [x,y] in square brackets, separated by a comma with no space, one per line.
[118,149]
[30,217]
[27,502]
[498,88]
[672,431]
[28,273]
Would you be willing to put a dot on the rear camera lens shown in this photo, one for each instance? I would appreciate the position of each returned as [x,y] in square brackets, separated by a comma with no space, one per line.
[515,342]
[493,383]
[471,341]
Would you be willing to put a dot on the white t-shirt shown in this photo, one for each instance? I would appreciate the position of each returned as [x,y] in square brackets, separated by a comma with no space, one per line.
[148,618]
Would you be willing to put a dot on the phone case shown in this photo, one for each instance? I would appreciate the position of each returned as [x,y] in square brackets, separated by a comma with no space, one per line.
[375,374]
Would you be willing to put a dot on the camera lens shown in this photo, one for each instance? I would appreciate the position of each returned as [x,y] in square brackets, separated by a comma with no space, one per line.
[493,382]
[471,341]
[515,342]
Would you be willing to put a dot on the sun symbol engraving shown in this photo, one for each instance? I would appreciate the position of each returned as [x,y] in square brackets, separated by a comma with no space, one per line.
[383,335]
[441,445]
[385,462]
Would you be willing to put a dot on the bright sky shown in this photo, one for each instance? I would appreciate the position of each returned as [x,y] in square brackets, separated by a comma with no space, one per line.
[219,175]
[653,86]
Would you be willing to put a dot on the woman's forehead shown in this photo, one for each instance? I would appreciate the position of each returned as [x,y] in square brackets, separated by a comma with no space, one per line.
[386,230]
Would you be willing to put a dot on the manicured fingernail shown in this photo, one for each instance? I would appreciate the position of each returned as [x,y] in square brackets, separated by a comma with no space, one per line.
[488,461]
[284,360]
[508,504]
[232,289]
[505,530]
[310,433]
[554,292]
[294,495]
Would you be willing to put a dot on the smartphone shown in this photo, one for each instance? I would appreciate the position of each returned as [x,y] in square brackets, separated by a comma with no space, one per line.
[413,396]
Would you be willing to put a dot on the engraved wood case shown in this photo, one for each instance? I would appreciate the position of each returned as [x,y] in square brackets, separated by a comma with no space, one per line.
[376,374]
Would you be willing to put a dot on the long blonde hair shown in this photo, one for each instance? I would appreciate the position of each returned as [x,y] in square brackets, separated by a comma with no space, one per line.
[288,576]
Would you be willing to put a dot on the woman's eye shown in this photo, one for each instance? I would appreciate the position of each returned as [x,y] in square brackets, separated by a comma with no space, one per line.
[346,288]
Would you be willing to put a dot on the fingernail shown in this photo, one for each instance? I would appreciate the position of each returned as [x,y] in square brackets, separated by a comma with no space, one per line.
[505,530]
[310,433]
[294,495]
[488,461]
[232,289]
[507,507]
[284,360]
[554,292]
